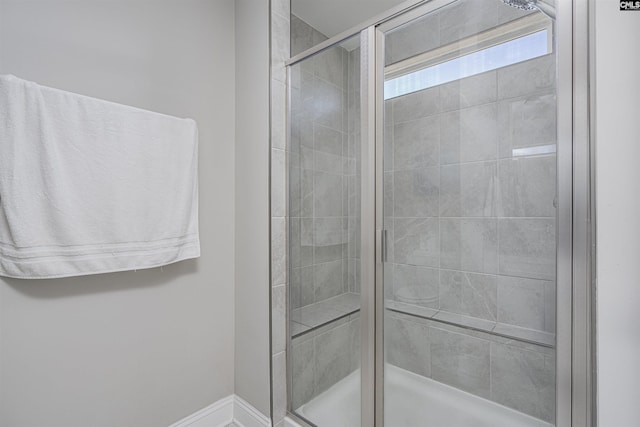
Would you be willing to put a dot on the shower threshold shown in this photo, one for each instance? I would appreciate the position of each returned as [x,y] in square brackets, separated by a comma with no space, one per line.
[412,401]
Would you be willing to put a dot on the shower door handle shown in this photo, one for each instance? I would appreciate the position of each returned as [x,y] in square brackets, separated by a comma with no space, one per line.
[381,246]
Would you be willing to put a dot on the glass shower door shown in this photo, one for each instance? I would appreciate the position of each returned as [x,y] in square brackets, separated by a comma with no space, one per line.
[324,236]
[469,216]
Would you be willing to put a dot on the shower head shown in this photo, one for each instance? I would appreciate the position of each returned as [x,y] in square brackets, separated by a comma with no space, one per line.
[521,4]
[545,6]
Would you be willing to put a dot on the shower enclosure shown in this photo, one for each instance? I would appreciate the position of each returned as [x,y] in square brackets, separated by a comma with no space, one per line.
[430,218]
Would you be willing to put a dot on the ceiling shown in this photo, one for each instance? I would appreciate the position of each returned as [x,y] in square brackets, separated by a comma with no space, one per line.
[331,17]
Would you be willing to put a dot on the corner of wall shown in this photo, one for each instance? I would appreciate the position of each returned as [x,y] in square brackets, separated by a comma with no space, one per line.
[251,293]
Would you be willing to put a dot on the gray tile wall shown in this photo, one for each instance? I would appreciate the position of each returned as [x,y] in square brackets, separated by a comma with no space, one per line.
[324,356]
[303,36]
[470,212]
[518,375]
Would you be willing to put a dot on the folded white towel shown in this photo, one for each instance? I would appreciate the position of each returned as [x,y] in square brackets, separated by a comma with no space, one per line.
[89,186]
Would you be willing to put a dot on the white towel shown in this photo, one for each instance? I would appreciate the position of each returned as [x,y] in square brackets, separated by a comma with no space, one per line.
[89,186]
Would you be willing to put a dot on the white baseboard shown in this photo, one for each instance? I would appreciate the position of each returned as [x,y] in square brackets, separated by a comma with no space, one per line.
[231,409]
[218,414]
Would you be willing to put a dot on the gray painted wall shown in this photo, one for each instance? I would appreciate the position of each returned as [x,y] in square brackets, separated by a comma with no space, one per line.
[617,175]
[252,203]
[139,348]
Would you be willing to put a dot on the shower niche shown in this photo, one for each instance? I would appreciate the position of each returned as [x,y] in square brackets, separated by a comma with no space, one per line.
[423,215]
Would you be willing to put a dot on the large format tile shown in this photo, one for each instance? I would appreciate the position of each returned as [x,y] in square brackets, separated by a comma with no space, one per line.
[301,35]
[525,302]
[305,104]
[387,149]
[329,231]
[333,358]
[468,190]
[416,143]
[345,192]
[468,294]
[325,162]
[307,286]
[415,192]
[327,194]
[460,361]
[295,280]
[279,386]
[416,105]
[328,103]
[407,344]
[278,121]
[303,372]
[355,333]
[278,251]
[469,92]
[527,77]
[416,285]
[306,232]
[469,135]
[523,380]
[307,155]
[353,79]
[328,66]
[300,248]
[353,207]
[528,247]
[278,318]
[467,18]
[327,140]
[278,183]
[295,189]
[419,36]
[388,190]
[351,275]
[353,231]
[469,245]
[328,253]
[328,279]
[527,187]
[416,241]
[389,286]
[528,125]
[306,193]
[550,307]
